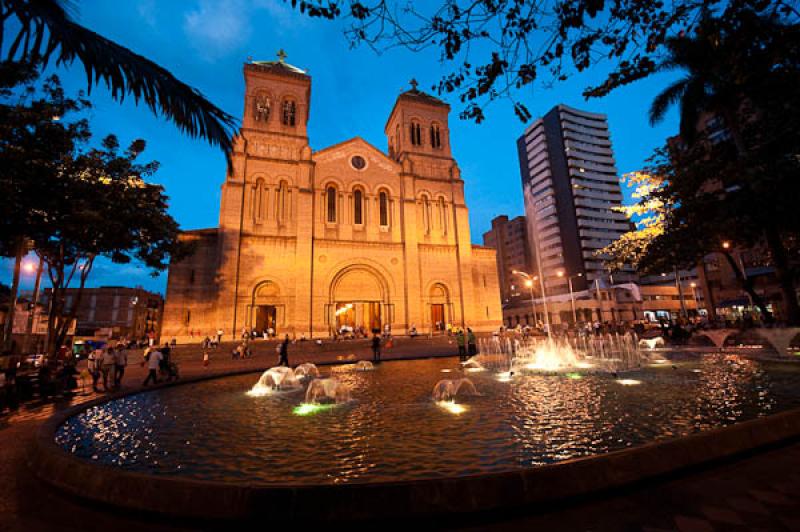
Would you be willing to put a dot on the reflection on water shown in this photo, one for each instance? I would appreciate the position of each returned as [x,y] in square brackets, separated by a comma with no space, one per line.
[392,429]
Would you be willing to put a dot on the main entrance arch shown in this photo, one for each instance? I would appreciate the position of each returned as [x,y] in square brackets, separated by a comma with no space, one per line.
[267,310]
[440,311]
[359,300]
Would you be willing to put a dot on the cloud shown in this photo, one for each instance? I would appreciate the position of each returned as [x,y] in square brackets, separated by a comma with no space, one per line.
[147,11]
[216,28]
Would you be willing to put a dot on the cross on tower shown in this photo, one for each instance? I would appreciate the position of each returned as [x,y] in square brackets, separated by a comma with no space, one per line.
[413,84]
[282,55]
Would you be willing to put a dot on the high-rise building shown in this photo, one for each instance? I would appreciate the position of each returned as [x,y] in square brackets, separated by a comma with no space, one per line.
[571,187]
[510,239]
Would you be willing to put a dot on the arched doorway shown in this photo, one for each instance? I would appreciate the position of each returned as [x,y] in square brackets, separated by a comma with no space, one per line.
[266,307]
[359,301]
[439,300]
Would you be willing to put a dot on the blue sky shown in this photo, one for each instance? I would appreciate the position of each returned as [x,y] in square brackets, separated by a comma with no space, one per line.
[205,43]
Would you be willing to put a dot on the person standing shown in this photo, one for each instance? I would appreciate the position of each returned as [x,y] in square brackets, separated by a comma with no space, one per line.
[153,358]
[120,363]
[461,342]
[376,348]
[219,336]
[472,344]
[283,360]
[107,368]
[93,363]
[205,359]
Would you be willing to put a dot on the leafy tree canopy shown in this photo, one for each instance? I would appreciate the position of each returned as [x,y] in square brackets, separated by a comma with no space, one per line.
[495,48]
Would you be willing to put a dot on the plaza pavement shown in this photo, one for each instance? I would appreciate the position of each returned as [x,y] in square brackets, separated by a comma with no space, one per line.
[756,492]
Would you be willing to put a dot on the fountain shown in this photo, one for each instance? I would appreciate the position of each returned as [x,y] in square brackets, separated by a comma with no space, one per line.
[277,378]
[472,365]
[779,339]
[608,352]
[651,343]
[306,370]
[327,391]
[364,365]
[448,389]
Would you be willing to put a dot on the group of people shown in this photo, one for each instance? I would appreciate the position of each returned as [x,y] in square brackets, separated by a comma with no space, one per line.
[467,343]
[108,363]
[159,361]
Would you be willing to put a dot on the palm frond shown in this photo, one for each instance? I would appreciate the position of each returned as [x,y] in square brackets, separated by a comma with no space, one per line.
[666,99]
[46,30]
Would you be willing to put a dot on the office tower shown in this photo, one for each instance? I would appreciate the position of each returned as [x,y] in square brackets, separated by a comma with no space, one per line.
[510,239]
[571,187]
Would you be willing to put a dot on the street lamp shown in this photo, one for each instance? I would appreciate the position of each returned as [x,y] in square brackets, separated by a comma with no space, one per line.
[529,283]
[529,280]
[571,294]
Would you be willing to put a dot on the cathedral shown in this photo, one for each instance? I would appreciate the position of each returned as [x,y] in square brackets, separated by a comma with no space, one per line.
[311,242]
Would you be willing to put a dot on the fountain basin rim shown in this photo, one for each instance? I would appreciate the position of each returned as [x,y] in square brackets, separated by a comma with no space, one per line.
[188,498]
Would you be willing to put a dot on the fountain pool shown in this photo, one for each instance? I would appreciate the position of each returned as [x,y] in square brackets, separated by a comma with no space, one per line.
[392,429]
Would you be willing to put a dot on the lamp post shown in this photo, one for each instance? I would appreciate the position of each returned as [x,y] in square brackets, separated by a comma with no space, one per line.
[529,283]
[694,296]
[571,294]
[529,280]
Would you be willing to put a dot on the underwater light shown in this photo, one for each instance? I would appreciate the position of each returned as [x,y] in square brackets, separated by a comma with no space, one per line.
[584,365]
[628,382]
[259,391]
[452,407]
[307,409]
[446,370]
[474,370]
[504,376]
[574,376]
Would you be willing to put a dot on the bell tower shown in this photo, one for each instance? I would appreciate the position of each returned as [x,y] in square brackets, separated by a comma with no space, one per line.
[277,97]
[418,125]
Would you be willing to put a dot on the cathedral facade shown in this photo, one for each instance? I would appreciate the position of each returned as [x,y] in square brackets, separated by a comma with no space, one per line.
[312,241]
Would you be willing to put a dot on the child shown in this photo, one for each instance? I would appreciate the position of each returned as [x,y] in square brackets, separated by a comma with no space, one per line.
[205,359]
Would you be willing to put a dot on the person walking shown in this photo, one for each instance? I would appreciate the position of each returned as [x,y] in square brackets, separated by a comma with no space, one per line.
[93,363]
[283,359]
[219,336]
[376,348]
[120,363]
[461,342]
[107,368]
[152,358]
[472,344]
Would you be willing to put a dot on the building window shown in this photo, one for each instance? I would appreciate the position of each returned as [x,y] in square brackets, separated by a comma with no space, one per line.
[443,215]
[416,134]
[358,207]
[289,111]
[188,317]
[383,205]
[436,140]
[331,203]
[280,201]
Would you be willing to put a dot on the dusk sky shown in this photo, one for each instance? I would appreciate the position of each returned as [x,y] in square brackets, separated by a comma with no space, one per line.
[205,43]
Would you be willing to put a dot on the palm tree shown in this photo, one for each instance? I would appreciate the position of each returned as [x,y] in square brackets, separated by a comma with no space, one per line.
[44,30]
[732,69]
[709,87]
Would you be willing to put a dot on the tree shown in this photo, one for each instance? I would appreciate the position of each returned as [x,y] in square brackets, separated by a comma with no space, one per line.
[43,29]
[106,209]
[72,203]
[33,145]
[495,48]
[649,215]
[743,73]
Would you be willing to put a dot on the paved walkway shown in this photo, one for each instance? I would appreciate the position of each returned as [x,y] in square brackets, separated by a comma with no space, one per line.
[760,492]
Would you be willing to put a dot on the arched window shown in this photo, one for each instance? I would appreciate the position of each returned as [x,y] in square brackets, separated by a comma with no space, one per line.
[443,215]
[416,134]
[289,111]
[259,201]
[358,207]
[330,200]
[383,208]
[436,139]
[280,201]
[426,214]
